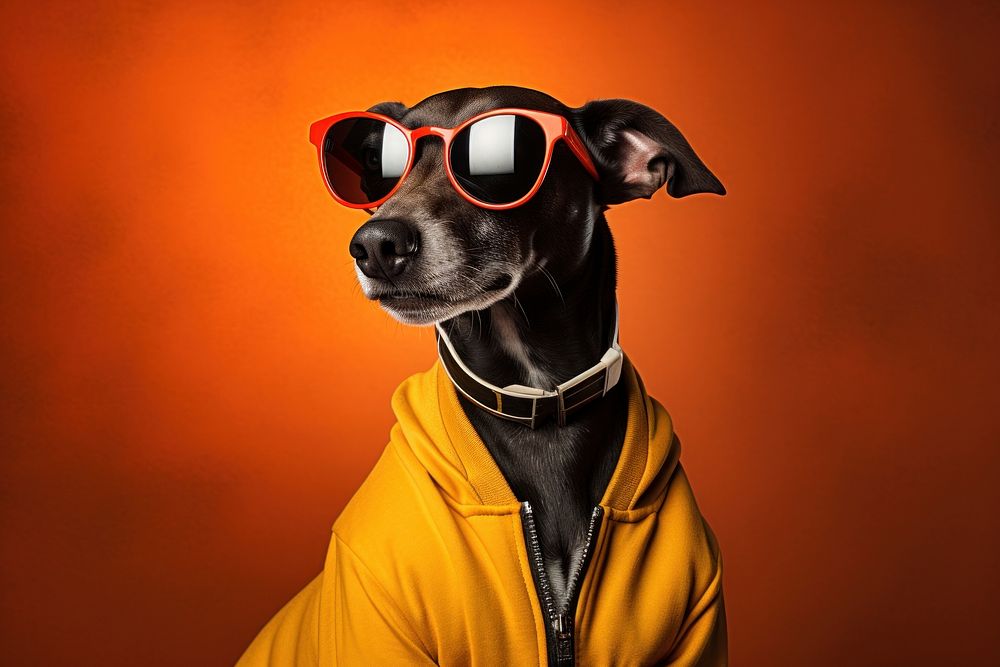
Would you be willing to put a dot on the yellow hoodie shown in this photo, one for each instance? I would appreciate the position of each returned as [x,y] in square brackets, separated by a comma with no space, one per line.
[429,562]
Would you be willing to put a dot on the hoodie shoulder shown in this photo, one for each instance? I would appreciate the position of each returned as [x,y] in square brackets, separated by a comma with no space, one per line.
[390,497]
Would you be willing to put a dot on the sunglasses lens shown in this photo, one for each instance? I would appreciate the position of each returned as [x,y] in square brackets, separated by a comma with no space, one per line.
[364,158]
[497,160]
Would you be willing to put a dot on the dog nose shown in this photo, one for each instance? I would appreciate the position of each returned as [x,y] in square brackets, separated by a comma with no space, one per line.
[383,248]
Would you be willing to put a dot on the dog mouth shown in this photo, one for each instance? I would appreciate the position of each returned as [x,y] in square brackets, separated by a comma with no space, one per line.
[404,295]
[426,307]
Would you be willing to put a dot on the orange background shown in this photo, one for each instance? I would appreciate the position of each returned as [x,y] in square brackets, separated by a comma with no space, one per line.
[193,385]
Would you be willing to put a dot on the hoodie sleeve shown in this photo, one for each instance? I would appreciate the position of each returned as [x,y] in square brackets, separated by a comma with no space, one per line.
[292,636]
[703,641]
[343,617]
[369,628]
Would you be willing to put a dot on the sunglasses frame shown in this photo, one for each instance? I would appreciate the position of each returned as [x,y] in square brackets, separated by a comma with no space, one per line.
[554,126]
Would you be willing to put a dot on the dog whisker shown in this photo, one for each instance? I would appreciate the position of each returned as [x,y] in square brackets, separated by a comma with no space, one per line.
[552,281]
[517,303]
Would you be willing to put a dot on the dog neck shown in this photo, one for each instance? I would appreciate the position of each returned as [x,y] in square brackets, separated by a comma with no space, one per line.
[551,329]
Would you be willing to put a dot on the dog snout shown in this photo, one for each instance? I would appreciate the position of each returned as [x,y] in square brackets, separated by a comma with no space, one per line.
[384,248]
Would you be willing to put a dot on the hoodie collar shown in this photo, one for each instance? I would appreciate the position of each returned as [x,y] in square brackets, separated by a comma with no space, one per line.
[435,428]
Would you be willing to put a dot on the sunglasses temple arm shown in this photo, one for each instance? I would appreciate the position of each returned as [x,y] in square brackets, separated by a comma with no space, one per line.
[577,146]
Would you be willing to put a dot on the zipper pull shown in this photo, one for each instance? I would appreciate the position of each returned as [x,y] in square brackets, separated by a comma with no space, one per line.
[563,626]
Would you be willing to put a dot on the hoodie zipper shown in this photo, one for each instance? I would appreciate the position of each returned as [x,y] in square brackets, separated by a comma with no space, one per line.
[559,632]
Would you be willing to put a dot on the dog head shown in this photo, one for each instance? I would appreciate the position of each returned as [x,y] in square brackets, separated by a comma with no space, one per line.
[428,254]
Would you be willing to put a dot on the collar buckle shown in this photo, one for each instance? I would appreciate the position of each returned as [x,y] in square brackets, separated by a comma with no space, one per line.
[592,384]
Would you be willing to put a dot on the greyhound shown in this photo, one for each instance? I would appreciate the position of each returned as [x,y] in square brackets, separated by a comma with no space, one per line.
[487,222]
[527,295]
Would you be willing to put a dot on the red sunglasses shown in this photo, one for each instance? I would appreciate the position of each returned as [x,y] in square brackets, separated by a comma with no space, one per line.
[496,160]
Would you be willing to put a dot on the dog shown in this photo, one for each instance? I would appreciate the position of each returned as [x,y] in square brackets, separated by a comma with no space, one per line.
[487,220]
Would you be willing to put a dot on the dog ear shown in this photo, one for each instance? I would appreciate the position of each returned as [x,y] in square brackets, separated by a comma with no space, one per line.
[637,151]
[394,110]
